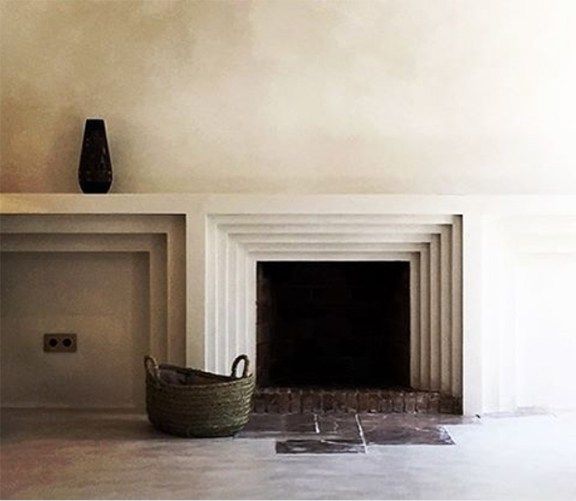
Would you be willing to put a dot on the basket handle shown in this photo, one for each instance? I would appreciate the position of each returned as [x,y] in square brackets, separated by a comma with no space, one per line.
[151,367]
[237,360]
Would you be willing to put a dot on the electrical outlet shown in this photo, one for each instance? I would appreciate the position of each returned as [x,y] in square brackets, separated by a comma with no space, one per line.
[60,343]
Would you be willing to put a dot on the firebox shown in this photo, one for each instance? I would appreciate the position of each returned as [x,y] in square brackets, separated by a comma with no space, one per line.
[333,324]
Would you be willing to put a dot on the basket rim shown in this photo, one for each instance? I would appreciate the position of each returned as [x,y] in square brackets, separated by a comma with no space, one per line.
[225,381]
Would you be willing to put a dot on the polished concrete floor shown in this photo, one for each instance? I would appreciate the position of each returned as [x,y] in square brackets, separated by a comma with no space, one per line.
[64,454]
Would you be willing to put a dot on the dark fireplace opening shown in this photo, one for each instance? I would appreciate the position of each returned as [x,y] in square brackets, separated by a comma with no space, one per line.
[333,324]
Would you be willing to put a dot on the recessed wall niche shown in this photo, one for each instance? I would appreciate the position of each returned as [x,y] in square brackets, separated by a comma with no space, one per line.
[159,239]
[103,298]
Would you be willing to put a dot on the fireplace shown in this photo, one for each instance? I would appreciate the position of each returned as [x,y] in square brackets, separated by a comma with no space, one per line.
[333,324]
[203,276]
[227,239]
[416,372]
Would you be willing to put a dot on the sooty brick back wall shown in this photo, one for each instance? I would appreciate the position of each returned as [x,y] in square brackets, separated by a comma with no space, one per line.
[333,324]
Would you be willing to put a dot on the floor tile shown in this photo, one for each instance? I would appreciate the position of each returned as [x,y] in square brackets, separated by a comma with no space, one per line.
[369,421]
[321,446]
[339,426]
[402,435]
[278,425]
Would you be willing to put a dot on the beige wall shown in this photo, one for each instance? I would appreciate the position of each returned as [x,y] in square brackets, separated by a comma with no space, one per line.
[103,298]
[293,96]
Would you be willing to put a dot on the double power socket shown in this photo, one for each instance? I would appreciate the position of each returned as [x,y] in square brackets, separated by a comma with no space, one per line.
[60,343]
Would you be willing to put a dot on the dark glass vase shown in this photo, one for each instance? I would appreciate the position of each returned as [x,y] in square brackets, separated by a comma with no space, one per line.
[95,171]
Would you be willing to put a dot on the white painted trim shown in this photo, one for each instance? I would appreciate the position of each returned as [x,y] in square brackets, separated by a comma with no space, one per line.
[159,236]
[151,245]
[467,325]
[231,203]
[232,240]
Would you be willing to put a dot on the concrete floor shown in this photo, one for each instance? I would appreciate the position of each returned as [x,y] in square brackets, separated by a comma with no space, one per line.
[59,454]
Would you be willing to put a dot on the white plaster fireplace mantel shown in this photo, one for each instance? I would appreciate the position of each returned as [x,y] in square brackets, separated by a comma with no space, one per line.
[225,234]
[190,203]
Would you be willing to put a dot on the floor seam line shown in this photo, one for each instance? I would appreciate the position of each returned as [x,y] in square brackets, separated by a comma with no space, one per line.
[361,431]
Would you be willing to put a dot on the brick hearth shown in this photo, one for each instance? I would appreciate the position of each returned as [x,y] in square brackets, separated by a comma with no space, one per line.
[296,400]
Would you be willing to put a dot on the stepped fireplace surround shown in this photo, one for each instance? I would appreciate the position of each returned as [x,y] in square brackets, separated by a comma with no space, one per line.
[439,239]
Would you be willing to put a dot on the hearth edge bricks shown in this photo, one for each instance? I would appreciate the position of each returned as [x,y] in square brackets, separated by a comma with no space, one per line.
[385,402]
[398,405]
[284,401]
[327,401]
[421,402]
[272,403]
[352,401]
[317,401]
[296,401]
[362,401]
[307,400]
[410,403]
[446,405]
[259,403]
[434,403]
[373,401]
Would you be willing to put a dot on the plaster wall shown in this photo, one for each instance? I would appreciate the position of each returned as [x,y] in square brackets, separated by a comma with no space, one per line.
[528,326]
[103,298]
[397,96]
[545,322]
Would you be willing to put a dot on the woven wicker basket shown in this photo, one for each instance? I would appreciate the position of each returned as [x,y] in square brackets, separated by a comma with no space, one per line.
[193,403]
